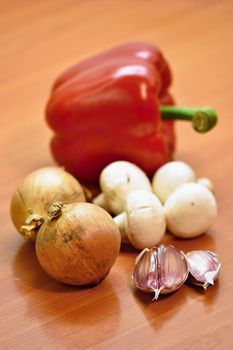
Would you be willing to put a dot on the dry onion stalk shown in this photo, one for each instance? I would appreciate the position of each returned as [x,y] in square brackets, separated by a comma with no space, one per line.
[38,191]
[78,243]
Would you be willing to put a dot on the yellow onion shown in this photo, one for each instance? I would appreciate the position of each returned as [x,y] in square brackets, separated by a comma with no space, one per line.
[78,243]
[41,188]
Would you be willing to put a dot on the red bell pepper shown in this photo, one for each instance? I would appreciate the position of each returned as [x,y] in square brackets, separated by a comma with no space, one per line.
[111,107]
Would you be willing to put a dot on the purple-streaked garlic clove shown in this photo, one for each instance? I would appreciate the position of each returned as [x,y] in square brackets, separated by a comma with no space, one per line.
[160,270]
[203,267]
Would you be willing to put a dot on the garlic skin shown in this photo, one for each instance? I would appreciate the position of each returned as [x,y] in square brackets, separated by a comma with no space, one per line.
[160,270]
[203,267]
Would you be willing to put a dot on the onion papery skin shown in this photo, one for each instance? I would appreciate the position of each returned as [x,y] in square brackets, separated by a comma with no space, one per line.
[80,246]
[38,191]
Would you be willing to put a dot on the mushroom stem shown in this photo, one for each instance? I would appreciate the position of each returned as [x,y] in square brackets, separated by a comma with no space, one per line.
[101,201]
[121,220]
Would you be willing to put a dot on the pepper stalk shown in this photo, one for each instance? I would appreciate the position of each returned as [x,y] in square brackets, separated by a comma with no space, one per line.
[203,119]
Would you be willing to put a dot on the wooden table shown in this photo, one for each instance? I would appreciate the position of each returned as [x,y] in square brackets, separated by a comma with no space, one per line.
[38,40]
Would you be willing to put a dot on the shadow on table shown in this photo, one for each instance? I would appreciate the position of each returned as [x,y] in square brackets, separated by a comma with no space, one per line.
[28,272]
[208,297]
[161,311]
[66,304]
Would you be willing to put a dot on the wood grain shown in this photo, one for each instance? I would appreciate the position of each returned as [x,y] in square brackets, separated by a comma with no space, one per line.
[38,39]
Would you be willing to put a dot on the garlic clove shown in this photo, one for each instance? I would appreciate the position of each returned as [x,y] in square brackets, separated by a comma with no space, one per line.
[174,268]
[146,272]
[203,267]
[160,270]
[140,255]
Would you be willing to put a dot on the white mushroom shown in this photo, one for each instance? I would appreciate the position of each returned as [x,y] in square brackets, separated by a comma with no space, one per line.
[190,210]
[169,176]
[206,183]
[116,181]
[143,221]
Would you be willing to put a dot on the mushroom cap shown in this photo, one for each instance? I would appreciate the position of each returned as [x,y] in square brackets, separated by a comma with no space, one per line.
[145,224]
[190,210]
[169,176]
[120,178]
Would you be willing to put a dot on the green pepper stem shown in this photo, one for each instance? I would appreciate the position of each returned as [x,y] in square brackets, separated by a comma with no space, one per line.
[203,119]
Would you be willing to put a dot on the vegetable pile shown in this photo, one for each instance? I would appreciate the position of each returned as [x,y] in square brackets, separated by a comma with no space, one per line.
[78,242]
[113,122]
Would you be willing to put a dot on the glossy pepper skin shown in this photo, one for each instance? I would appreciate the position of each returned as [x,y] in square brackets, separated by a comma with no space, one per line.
[106,108]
